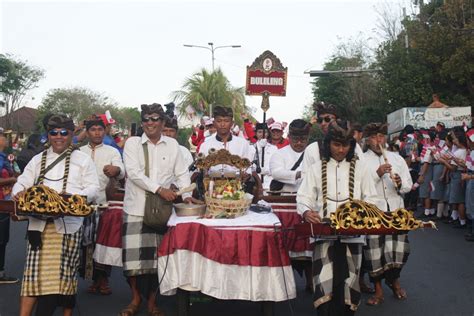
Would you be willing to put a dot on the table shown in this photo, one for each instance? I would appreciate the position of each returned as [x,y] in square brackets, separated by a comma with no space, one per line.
[242,258]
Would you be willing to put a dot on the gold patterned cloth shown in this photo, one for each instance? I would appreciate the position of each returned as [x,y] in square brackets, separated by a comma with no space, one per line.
[52,269]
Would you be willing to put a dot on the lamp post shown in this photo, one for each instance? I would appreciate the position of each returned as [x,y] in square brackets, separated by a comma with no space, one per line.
[212,49]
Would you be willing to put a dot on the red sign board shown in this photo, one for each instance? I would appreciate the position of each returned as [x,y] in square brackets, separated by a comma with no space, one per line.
[266,75]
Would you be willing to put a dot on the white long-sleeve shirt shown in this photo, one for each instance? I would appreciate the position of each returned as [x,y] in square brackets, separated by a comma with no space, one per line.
[82,180]
[280,167]
[166,165]
[386,189]
[310,194]
[269,150]
[312,155]
[104,155]
[235,145]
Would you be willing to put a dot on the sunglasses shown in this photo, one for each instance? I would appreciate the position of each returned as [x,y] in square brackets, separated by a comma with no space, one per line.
[63,132]
[326,119]
[151,118]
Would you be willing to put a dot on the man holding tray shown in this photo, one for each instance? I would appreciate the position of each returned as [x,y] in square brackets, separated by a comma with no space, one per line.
[333,180]
[52,260]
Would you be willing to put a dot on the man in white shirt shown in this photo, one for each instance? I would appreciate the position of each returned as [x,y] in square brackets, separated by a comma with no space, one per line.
[263,153]
[285,164]
[386,255]
[326,114]
[108,163]
[335,179]
[50,275]
[140,242]
[171,130]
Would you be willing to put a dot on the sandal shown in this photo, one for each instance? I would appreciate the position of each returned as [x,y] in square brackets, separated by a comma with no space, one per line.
[156,312]
[92,289]
[104,290]
[130,310]
[364,288]
[375,300]
[400,294]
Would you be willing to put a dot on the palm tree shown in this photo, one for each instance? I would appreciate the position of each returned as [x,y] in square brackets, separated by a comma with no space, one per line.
[205,89]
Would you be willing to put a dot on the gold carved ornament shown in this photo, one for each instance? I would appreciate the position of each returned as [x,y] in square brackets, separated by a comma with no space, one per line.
[358,214]
[42,200]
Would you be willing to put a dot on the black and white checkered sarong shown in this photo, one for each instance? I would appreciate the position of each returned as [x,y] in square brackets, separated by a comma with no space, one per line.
[139,247]
[385,252]
[323,273]
[52,269]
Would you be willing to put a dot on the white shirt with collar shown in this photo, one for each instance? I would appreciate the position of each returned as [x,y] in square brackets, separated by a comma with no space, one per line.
[166,165]
[260,147]
[235,145]
[104,155]
[384,185]
[280,168]
[82,180]
[188,157]
[312,155]
[310,194]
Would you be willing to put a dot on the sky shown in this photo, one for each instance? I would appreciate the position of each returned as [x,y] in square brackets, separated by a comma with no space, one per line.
[132,51]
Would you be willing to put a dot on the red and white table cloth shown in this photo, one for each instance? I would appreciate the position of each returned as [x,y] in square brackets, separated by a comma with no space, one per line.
[242,258]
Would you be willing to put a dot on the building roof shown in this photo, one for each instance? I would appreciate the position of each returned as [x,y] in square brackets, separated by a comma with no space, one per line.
[22,120]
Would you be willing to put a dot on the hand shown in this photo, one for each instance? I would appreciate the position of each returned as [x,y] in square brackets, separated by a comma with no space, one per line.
[17,196]
[313,120]
[421,179]
[167,194]
[465,177]
[111,171]
[397,180]
[383,169]
[311,217]
[298,175]
[191,200]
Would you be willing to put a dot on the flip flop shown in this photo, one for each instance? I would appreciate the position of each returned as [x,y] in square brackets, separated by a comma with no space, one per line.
[400,294]
[366,289]
[92,289]
[104,290]
[375,300]
[130,310]
[156,312]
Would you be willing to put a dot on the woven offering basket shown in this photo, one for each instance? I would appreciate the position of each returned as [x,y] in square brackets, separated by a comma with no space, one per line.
[221,208]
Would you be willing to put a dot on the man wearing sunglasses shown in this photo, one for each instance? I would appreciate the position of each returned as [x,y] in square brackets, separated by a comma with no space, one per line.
[109,165]
[52,261]
[166,165]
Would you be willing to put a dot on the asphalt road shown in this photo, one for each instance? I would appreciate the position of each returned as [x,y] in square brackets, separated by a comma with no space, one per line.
[439,279]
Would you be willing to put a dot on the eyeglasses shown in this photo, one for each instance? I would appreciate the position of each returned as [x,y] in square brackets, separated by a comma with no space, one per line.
[326,119]
[151,118]
[63,132]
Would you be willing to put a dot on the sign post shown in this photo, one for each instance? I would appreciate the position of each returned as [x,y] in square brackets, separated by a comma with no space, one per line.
[266,77]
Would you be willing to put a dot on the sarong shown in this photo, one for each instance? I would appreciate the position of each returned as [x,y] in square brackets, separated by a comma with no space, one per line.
[326,269]
[108,248]
[384,253]
[52,269]
[139,247]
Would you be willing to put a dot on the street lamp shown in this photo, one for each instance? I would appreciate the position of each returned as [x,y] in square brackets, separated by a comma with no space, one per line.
[212,49]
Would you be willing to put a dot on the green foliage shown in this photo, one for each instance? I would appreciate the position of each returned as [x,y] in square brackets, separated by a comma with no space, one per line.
[439,58]
[183,136]
[205,89]
[17,77]
[80,103]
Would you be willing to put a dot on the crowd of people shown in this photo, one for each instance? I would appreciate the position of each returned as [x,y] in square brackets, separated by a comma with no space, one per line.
[432,166]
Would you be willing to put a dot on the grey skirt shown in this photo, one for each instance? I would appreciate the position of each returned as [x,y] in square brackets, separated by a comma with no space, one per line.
[439,186]
[470,198]
[424,191]
[457,191]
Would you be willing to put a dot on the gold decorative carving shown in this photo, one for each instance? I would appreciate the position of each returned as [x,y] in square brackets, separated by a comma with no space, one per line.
[358,214]
[42,200]
[222,157]
[276,63]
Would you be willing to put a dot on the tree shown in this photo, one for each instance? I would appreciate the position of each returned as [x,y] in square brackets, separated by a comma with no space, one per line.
[205,89]
[80,103]
[355,96]
[439,57]
[16,79]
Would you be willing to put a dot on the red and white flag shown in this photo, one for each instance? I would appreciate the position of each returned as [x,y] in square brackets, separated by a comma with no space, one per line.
[470,134]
